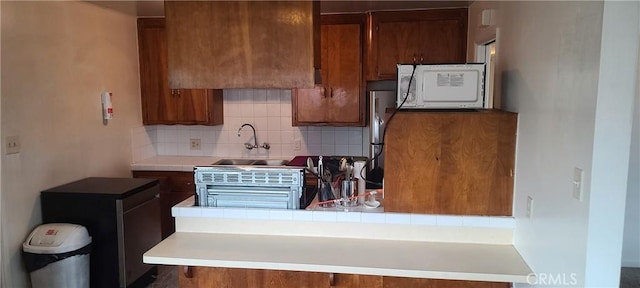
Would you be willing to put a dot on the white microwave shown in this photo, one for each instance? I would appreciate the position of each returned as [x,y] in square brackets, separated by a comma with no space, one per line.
[441,86]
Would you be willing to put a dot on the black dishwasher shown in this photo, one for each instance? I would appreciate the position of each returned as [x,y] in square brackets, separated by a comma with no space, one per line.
[122,216]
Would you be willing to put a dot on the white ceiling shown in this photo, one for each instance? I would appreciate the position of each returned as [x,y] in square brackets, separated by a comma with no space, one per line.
[148,8]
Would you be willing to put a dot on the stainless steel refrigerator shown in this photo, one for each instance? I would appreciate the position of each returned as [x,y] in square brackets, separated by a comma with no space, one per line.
[379,101]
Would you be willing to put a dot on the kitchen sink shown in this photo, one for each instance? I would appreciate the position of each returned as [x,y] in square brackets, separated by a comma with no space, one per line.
[258,162]
[234,162]
[271,162]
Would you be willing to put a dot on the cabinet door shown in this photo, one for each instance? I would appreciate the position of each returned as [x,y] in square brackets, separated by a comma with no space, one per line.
[427,37]
[158,102]
[161,105]
[339,100]
[344,74]
[309,106]
[199,106]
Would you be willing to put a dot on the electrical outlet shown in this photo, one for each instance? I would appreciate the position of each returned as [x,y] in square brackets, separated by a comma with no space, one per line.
[297,145]
[11,145]
[195,144]
[577,183]
[529,206]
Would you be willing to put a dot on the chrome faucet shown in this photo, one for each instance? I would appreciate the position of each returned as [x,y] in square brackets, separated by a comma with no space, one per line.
[247,145]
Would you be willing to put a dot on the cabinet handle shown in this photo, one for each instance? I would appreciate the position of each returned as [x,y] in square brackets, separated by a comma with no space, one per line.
[332,280]
[414,58]
[173,92]
[178,92]
[331,92]
[421,58]
[187,271]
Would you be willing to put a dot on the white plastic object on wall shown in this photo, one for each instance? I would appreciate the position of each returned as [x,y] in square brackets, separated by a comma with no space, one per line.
[107,106]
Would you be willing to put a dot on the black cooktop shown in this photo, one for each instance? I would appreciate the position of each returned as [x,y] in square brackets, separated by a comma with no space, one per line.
[106,187]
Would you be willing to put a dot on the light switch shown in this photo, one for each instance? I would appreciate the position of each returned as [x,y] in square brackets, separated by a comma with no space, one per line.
[529,206]
[578,174]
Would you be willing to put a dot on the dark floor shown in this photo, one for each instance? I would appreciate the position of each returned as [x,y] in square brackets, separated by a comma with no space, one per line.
[630,277]
[168,277]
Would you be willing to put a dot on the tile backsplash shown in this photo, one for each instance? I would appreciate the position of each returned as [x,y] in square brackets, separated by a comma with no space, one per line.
[269,111]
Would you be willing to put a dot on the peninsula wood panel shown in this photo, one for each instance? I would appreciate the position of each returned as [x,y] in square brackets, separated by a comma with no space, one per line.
[206,277]
[240,44]
[450,162]
[400,282]
[357,281]
[429,36]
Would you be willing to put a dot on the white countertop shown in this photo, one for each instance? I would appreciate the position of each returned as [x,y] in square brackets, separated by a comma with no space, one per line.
[456,261]
[324,241]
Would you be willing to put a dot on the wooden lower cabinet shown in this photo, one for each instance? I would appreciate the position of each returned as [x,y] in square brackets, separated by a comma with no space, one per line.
[202,277]
[175,187]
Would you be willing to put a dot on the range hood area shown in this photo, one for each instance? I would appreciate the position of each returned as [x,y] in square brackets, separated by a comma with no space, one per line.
[242,44]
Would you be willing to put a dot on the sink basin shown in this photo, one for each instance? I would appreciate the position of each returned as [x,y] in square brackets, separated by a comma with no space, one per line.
[261,162]
[271,162]
[234,162]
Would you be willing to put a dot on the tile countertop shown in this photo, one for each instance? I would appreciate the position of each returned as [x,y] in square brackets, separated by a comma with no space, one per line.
[180,163]
[289,240]
[172,163]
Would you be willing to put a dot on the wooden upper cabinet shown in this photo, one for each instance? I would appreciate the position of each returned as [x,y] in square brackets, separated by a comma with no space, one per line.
[458,163]
[161,105]
[240,44]
[339,100]
[428,36]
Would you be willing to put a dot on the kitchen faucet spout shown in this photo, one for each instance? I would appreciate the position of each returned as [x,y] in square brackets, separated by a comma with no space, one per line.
[255,138]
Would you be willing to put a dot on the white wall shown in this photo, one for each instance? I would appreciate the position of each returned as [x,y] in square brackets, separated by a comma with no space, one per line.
[57,59]
[1,197]
[631,244]
[269,111]
[612,139]
[549,63]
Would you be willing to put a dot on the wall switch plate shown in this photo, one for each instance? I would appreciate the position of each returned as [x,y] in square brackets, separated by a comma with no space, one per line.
[578,175]
[529,206]
[195,144]
[11,145]
[297,144]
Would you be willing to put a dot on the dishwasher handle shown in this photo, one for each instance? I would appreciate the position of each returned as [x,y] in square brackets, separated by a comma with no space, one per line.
[140,198]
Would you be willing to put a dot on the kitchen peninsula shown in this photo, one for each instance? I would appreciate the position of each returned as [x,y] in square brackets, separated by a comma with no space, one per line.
[348,247]
[340,246]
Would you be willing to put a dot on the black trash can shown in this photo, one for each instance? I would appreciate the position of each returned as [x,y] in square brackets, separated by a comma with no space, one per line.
[57,256]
